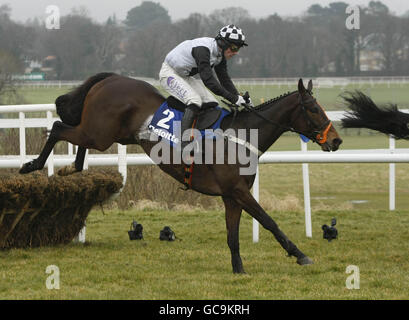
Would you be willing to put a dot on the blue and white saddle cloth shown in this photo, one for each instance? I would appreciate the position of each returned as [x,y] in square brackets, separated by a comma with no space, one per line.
[166,124]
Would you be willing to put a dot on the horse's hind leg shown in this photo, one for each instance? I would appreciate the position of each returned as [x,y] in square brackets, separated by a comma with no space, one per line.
[77,166]
[59,131]
[244,198]
[233,214]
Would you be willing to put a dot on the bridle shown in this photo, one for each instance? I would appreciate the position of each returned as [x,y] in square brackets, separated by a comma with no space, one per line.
[318,134]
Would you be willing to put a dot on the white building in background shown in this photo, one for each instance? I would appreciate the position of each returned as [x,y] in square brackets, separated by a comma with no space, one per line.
[370,60]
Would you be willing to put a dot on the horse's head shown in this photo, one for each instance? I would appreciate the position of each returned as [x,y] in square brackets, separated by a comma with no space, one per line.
[310,120]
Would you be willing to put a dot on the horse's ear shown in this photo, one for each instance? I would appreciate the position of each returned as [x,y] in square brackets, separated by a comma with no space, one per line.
[301,88]
[309,88]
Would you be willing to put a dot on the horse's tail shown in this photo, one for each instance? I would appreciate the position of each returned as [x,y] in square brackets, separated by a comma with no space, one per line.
[364,113]
[69,106]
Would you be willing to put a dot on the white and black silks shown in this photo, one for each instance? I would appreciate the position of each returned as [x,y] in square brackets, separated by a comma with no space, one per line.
[199,57]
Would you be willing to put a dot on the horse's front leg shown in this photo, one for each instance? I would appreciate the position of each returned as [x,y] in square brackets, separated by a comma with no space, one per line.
[233,214]
[244,198]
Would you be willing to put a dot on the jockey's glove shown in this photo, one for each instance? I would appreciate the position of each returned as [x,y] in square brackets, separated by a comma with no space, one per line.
[246,97]
[244,102]
[240,101]
[250,103]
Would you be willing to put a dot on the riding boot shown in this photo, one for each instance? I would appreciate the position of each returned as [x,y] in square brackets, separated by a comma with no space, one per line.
[187,122]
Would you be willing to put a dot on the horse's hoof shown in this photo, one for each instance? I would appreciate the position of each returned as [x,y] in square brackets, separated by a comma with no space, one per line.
[304,261]
[28,167]
[239,271]
[67,170]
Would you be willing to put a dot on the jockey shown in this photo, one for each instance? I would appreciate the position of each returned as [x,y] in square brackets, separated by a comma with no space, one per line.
[188,70]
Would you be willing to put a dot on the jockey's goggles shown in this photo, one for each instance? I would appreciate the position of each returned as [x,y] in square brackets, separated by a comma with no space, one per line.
[234,48]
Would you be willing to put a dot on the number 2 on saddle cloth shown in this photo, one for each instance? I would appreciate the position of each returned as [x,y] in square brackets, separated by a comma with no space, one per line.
[166,125]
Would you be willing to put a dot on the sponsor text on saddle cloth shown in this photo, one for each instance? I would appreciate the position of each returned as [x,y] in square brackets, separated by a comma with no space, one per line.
[166,124]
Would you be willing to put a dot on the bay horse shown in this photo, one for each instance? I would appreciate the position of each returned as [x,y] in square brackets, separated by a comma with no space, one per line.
[110,108]
[365,113]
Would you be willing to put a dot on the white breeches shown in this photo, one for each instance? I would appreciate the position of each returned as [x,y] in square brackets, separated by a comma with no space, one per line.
[189,90]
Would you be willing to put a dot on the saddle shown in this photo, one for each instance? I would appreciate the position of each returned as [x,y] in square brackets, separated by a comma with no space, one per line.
[207,115]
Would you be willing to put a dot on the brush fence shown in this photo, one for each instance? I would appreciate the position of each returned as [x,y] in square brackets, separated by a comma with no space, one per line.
[37,210]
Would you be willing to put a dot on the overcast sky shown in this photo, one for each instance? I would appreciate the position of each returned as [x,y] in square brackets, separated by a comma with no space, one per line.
[100,10]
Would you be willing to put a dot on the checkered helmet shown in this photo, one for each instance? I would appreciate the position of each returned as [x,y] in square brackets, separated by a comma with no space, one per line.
[232,34]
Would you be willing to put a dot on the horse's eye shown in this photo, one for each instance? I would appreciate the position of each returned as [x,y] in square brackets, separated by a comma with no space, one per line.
[314,109]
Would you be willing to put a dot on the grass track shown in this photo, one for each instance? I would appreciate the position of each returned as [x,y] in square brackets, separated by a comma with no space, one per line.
[198,266]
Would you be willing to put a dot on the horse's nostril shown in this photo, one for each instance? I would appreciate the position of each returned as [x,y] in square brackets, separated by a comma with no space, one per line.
[336,142]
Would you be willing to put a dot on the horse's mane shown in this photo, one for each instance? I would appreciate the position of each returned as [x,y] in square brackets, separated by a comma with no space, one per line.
[274,100]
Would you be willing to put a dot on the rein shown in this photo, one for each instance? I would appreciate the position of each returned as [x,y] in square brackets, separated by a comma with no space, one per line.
[234,108]
[319,135]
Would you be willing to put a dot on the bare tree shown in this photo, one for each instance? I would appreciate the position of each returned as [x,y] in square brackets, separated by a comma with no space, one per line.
[75,47]
[316,43]
[146,14]
[9,65]
[230,15]
[109,45]
[146,49]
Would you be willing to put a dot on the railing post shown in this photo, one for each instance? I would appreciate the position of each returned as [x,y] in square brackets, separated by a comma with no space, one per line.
[51,156]
[391,176]
[256,196]
[22,134]
[85,159]
[81,235]
[307,200]
[122,167]
[70,149]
